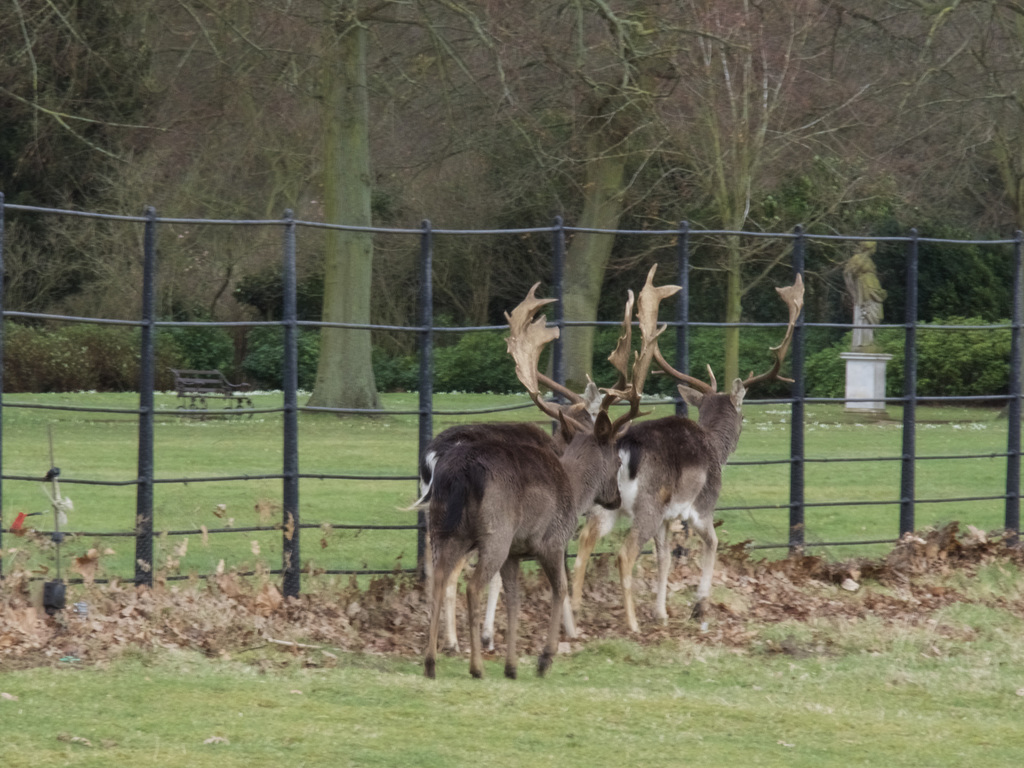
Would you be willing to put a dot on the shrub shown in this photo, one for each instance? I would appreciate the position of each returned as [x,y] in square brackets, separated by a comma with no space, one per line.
[399,373]
[79,357]
[955,362]
[962,361]
[478,362]
[202,347]
[264,359]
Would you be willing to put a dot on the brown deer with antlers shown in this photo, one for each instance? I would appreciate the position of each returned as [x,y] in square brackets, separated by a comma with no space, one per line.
[671,469]
[507,503]
[583,407]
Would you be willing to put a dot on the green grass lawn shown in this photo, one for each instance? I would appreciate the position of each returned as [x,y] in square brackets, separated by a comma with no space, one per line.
[892,702]
[103,446]
[933,687]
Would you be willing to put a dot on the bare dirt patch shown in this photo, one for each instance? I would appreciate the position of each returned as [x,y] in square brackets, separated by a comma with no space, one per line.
[231,616]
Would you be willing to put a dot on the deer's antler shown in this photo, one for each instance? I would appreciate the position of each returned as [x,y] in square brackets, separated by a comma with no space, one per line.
[793,295]
[648,316]
[631,382]
[526,340]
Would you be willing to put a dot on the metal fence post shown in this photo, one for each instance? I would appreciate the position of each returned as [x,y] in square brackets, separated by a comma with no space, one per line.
[558,269]
[291,552]
[683,307]
[1,383]
[1012,522]
[796,434]
[907,484]
[147,382]
[426,383]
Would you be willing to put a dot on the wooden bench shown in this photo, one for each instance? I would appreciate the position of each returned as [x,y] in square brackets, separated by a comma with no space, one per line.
[196,388]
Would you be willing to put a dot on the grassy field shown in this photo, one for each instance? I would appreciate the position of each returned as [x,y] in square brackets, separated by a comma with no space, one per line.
[103,446]
[876,697]
[916,671]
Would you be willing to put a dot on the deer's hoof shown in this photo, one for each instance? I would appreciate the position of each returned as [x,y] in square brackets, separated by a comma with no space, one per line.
[543,664]
[700,610]
[429,669]
[511,672]
[476,673]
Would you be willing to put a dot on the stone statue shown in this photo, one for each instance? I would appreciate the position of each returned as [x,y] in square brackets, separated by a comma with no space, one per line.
[867,294]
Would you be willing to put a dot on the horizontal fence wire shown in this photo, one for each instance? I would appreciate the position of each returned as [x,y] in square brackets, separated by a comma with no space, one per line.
[426,328]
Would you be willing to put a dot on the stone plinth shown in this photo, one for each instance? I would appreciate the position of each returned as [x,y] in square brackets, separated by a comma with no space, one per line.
[865,382]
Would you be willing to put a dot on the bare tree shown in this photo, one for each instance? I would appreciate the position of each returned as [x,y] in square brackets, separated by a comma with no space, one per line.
[756,94]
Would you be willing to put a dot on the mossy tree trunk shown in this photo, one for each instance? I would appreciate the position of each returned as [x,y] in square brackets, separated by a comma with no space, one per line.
[587,258]
[344,377]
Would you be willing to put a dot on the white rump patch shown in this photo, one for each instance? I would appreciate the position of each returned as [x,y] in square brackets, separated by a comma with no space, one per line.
[430,459]
[628,488]
[606,518]
[684,511]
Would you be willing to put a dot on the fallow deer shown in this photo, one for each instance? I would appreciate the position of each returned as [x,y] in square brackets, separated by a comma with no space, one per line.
[507,503]
[671,468]
[582,407]
[527,437]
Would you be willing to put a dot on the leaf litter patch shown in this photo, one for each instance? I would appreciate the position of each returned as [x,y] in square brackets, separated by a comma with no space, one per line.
[246,618]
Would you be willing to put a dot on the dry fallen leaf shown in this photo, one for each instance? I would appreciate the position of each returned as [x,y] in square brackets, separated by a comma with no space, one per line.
[220,510]
[850,585]
[268,600]
[85,565]
[255,547]
[11,697]
[216,740]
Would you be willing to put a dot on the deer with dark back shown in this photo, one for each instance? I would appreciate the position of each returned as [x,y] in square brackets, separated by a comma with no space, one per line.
[528,437]
[671,469]
[582,407]
[506,502]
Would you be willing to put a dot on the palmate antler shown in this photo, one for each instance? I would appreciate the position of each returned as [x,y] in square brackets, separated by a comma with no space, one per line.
[631,382]
[793,295]
[527,338]
[529,335]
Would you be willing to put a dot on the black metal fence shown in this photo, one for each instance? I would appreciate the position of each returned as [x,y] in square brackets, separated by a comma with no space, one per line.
[292,523]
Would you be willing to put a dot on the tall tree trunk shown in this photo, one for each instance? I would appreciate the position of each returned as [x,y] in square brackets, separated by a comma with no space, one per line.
[587,258]
[733,310]
[344,377]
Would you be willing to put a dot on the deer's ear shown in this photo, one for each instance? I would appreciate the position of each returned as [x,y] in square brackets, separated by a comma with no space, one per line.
[603,428]
[567,426]
[690,396]
[738,391]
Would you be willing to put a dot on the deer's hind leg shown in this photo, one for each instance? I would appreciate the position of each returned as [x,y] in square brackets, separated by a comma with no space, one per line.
[599,523]
[554,568]
[704,525]
[489,558]
[493,590]
[451,635]
[510,583]
[447,557]
[664,557]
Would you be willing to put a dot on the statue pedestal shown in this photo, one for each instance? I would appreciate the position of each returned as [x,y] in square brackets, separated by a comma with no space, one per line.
[865,382]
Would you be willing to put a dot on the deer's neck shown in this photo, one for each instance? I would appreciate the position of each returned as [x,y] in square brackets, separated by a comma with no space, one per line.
[724,434]
[580,463]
